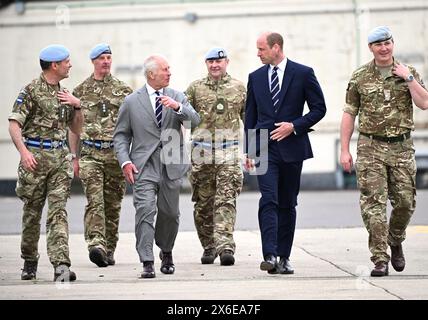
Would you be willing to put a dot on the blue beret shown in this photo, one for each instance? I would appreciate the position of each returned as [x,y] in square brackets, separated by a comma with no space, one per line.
[54,53]
[98,50]
[216,53]
[378,34]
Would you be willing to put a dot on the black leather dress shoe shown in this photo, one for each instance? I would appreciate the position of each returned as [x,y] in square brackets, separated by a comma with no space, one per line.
[284,266]
[397,258]
[148,270]
[269,263]
[380,269]
[167,266]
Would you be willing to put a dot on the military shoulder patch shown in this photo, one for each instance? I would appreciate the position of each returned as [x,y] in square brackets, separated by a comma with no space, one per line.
[21,96]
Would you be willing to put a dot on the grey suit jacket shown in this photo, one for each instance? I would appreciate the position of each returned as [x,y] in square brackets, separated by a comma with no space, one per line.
[137,135]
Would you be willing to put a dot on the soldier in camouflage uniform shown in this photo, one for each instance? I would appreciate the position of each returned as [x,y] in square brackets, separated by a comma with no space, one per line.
[103,182]
[216,174]
[38,127]
[385,165]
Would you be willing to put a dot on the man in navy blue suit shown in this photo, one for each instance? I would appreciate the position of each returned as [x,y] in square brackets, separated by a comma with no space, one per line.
[277,131]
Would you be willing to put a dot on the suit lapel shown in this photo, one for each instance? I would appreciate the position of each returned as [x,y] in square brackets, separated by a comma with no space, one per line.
[262,82]
[143,96]
[288,76]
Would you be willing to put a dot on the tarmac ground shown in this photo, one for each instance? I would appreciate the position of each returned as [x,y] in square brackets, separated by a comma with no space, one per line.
[331,263]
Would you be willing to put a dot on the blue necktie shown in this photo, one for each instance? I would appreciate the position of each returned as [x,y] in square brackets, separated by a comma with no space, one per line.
[158,109]
[274,86]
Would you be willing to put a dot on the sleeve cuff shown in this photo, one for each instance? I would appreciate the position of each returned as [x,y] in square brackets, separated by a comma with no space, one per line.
[124,164]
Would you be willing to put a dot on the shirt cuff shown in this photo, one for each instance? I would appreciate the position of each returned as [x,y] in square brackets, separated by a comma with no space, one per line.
[180,108]
[125,163]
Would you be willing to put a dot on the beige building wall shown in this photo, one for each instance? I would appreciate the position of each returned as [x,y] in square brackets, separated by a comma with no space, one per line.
[328,35]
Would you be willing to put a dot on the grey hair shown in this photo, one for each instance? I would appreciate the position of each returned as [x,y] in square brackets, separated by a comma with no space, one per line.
[151,64]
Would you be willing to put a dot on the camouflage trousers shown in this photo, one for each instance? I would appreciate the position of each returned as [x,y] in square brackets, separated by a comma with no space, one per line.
[52,181]
[104,186]
[215,189]
[386,171]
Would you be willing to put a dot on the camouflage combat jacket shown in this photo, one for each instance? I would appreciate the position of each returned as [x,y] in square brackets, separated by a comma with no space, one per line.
[220,104]
[100,100]
[384,105]
[39,111]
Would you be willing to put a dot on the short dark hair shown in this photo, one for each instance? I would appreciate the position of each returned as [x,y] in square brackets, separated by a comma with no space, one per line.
[275,38]
[45,64]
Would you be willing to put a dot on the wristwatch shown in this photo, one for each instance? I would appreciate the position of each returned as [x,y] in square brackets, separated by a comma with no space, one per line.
[410,78]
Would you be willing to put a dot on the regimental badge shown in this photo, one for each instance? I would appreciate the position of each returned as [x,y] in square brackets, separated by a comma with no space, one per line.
[221,106]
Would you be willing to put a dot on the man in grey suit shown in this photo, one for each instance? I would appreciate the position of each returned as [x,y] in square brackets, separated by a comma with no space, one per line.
[148,142]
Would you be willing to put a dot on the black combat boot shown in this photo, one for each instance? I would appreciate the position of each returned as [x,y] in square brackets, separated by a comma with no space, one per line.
[63,273]
[208,256]
[110,258]
[226,258]
[29,270]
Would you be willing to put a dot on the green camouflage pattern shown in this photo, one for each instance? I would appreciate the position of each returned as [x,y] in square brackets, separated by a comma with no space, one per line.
[216,175]
[102,178]
[101,100]
[383,104]
[38,110]
[52,181]
[215,189]
[104,186]
[385,171]
[220,104]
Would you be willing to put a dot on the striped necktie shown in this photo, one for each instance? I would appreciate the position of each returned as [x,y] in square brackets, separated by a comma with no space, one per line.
[158,109]
[274,86]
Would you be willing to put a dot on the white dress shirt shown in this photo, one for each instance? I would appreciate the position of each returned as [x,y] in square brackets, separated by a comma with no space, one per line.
[281,70]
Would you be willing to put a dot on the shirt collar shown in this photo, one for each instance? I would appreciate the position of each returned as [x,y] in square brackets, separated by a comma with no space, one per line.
[151,91]
[281,66]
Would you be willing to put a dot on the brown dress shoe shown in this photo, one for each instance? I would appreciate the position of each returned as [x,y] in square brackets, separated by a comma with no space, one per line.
[380,269]
[397,258]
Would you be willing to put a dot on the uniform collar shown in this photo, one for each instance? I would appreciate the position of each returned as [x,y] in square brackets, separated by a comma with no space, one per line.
[106,79]
[56,87]
[211,82]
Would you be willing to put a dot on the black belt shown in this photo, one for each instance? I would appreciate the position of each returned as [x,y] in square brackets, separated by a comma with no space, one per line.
[44,143]
[399,138]
[99,144]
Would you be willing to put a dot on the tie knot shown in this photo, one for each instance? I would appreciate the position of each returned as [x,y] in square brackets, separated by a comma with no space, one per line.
[275,68]
[157,93]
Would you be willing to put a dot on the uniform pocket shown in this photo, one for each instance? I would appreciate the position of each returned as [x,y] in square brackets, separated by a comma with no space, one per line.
[26,185]
[370,97]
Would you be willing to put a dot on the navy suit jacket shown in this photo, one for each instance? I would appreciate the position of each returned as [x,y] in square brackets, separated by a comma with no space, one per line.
[299,85]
